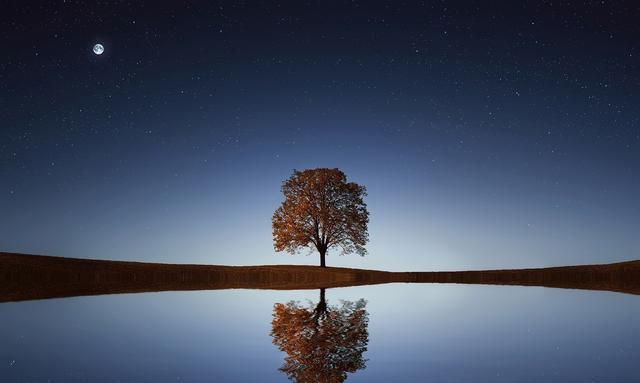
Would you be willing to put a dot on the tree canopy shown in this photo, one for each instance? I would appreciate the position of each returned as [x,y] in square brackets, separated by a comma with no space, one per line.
[321,210]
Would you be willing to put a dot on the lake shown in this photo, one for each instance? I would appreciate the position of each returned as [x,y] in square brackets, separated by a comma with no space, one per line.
[381,333]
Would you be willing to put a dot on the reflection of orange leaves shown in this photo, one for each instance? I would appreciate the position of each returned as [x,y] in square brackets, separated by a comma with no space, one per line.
[321,345]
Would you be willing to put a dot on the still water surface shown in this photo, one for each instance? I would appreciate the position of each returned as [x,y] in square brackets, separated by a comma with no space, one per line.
[397,332]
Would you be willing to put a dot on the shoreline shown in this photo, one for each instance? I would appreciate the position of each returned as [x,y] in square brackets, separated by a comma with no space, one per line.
[28,277]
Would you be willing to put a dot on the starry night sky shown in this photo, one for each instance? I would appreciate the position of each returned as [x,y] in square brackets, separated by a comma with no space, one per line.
[488,135]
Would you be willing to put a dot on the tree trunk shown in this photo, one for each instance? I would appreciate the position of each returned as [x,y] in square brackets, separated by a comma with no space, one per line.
[320,312]
[322,252]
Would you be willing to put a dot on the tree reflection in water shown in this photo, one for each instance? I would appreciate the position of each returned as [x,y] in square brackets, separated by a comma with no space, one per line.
[323,343]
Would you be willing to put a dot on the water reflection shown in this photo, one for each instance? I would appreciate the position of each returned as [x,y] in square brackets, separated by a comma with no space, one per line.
[322,343]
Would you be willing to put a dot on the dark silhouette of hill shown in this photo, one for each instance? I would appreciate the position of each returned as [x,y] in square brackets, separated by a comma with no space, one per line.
[26,277]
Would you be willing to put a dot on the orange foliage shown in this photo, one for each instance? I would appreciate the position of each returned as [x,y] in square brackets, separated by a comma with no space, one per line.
[322,344]
[322,210]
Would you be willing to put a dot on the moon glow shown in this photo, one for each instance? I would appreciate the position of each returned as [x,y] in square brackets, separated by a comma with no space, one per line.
[98,49]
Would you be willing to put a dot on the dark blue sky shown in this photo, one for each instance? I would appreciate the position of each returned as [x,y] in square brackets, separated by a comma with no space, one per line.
[488,135]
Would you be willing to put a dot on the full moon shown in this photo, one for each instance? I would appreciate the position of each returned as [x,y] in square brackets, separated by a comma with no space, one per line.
[98,49]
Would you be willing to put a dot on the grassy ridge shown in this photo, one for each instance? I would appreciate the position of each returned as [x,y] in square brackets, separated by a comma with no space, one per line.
[25,277]
[623,277]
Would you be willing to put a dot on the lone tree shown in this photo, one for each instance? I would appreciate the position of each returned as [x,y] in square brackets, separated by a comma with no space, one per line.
[322,210]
